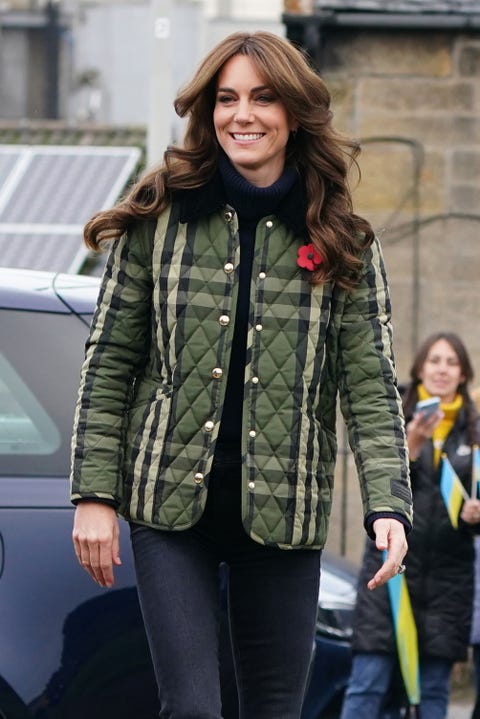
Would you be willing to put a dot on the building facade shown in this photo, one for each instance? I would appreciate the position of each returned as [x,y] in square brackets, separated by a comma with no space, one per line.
[405,81]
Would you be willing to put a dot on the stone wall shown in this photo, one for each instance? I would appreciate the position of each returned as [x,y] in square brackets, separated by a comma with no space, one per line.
[413,99]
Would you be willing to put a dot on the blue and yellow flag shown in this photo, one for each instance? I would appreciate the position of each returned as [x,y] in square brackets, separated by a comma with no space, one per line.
[453,491]
[405,631]
[476,472]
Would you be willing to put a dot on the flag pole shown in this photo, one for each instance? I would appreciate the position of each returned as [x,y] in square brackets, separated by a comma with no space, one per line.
[475,471]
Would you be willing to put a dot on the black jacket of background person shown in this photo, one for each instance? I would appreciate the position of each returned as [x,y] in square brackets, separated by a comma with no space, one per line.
[439,565]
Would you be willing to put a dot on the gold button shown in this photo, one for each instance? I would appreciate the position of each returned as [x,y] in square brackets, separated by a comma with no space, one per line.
[229,215]
[198,478]
[251,485]
[269,224]
[217,373]
[228,267]
[252,433]
[255,380]
[209,425]
[224,320]
[262,276]
[259,327]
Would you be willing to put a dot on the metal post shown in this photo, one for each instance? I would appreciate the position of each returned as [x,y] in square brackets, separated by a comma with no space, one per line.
[52,55]
[177,39]
[161,91]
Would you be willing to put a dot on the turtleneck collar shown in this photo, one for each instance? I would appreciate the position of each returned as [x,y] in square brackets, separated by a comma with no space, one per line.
[252,202]
[291,203]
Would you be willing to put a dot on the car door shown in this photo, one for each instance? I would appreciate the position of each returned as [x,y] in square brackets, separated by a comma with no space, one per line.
[67,648]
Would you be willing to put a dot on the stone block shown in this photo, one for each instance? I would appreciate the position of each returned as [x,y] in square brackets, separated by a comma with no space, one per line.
[342,92]
[465,165]
[377,52]
[469,60]
[409,95]
[449,252]
[430,130]
[397,245]
[388,181]
[433,183]
[386,169]
[466,198]
[459,314]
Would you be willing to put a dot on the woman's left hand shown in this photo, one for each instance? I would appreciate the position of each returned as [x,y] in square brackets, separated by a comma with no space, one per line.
[389,535]
[471,511]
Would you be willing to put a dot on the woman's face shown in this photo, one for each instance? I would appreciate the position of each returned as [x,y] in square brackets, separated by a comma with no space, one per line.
[441,372]
[251,122]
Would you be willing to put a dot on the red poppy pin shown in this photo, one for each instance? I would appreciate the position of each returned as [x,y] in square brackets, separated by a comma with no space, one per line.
[308,257]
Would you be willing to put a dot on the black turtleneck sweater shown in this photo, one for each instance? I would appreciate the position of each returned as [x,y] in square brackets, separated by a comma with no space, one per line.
[251,204]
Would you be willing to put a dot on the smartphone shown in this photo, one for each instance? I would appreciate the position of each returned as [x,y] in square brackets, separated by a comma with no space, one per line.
[428,406]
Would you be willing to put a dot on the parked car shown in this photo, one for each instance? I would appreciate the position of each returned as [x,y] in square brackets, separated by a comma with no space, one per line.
[69,649]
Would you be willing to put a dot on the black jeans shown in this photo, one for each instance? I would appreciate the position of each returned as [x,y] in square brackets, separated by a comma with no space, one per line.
[272,599]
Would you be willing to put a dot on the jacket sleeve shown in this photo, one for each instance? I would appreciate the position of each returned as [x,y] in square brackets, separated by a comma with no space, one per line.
[116,350]
[369,398]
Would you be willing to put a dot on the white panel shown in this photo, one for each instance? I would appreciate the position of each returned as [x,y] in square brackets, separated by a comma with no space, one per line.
[47,193]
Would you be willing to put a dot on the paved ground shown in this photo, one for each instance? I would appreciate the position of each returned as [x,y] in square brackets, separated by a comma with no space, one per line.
[459,710]
[461,702]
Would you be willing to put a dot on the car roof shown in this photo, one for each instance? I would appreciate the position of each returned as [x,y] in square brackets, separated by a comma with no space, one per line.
[38,291]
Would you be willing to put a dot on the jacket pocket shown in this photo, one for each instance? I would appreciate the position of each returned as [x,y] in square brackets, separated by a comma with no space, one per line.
[146,429]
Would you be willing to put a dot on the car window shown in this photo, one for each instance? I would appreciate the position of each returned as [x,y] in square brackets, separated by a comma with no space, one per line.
[25,427]
[40,358]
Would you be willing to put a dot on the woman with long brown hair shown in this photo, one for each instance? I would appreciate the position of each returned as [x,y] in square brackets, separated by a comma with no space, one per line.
[241,295]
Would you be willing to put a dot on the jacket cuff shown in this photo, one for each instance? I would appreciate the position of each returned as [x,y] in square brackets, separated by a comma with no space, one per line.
[101,500]
[368,524]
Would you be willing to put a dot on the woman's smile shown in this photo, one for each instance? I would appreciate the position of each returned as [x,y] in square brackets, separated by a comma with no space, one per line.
[247,137]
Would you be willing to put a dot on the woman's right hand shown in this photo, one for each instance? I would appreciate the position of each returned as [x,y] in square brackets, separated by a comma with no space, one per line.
[419,429]
[96,540]
[471,511]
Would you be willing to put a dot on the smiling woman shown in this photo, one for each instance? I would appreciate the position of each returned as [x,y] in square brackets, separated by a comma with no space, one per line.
[251,122]
[241,295]
[439,565]
[100,673]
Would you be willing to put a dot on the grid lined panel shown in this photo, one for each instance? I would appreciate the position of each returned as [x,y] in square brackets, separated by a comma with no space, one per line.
[7,161]
[62,189]
[47,193]
[40,252]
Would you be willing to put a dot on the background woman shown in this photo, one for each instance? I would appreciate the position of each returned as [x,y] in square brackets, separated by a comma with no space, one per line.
[439,572]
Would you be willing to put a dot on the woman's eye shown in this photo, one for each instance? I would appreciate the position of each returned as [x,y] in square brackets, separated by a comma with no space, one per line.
[225,99]
[265,99]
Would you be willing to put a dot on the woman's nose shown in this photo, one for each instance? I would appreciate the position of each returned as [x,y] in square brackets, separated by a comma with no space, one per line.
[243,112]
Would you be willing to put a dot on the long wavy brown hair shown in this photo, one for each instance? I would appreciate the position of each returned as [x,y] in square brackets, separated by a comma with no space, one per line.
[322,156]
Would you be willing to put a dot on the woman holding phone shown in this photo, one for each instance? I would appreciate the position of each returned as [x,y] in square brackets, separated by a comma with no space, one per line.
[439,573]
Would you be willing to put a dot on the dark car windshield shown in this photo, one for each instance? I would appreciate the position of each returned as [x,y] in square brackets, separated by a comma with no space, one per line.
[40,358]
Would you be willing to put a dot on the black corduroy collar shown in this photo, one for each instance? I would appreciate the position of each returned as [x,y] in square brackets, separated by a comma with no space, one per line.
[211,197]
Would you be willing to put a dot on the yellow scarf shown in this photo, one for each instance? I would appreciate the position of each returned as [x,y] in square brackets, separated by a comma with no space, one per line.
[440,433]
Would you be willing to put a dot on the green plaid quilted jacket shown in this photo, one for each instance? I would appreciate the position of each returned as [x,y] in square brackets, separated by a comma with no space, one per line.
[153,381]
